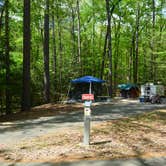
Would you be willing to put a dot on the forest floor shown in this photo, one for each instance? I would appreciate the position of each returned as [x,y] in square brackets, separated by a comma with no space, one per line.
[118,130]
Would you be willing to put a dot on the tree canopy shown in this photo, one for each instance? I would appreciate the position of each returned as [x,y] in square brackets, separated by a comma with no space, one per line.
[131,49]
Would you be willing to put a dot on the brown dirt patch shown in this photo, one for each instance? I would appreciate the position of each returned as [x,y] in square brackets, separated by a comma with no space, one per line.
[142,135]
[50,109]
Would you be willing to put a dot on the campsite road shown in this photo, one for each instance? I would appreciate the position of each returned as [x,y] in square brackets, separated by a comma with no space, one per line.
[12,132]
[122,162]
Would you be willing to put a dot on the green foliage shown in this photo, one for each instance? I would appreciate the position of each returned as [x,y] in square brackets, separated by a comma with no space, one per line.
[93,30]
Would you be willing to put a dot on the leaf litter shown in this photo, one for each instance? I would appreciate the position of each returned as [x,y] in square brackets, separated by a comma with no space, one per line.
[142,135]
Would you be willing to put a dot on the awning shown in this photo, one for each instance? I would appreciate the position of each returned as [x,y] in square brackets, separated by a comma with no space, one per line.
[127,86]
[87,79]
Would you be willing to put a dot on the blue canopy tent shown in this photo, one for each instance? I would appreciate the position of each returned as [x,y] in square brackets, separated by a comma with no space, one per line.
[86,81]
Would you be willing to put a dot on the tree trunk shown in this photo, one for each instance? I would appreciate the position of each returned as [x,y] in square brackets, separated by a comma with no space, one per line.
[136,45]
[8,96]
[109,45]
[54,52]
[153,58]
[133,55]
[130,61]
[145,74]
[26,57]
[46,55]
[73,37]
[93,43]
[60,49]
[1,16]
[79,35]
[117,48]
[1,52]
[104,55]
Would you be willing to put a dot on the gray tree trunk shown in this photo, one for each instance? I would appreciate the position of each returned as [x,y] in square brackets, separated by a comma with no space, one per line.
[8,95]
[54,54]
[135,77]
[79,37]
[46,55]
[109,45]
[26,104]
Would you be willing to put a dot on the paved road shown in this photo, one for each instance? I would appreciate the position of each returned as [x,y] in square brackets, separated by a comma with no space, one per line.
[20,130]
[128,162]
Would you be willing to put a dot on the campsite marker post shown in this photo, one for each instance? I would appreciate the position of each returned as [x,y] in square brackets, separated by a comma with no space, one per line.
[87,116]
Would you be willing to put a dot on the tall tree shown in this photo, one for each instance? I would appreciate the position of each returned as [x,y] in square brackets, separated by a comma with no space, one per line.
[46,54]
[93,38]
[108,42]
[153,65]
[73,37]
[1,16]
[79,33]
[104,56]
[54,51]
[117,33]
[109,45]
[60,48]
[8,97]
[135,62]
[26,104]
[2,9]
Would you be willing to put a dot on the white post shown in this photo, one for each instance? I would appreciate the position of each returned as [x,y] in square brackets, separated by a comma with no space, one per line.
[90,88]
[87,119]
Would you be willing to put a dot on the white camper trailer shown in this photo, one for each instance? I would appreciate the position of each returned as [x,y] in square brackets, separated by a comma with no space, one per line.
[148,90]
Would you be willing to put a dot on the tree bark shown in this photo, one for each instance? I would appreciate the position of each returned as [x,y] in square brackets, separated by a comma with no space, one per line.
[79,36]
[1,52]
[131,57]
[26,57]
[116,54]
[8,95]
[46,54]
[1,16]
[109,45]
[93,42]
[54,52]
[73,35]
[60,49]
[136,45]
[104,55]
[153,58]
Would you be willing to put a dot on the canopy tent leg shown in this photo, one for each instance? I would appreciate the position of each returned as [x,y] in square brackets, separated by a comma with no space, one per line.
[68,91]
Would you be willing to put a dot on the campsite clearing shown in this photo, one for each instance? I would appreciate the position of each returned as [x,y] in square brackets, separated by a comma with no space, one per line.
[121,129]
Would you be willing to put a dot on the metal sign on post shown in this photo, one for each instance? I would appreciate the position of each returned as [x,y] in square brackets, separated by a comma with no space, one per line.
[87,97]
[87,116]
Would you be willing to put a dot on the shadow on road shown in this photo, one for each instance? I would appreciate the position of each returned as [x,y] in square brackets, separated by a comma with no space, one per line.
[99,113]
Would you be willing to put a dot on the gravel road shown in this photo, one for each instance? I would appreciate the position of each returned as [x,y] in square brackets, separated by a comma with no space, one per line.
[12,132]
[123,162]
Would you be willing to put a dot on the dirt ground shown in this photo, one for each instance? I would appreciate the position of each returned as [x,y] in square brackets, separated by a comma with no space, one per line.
[140,135]
[50,109]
